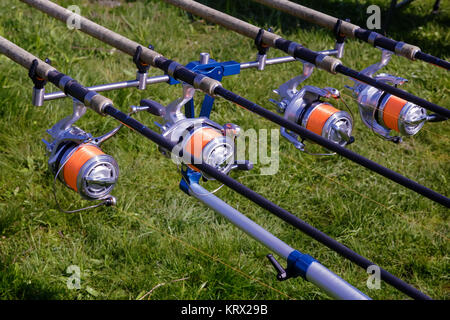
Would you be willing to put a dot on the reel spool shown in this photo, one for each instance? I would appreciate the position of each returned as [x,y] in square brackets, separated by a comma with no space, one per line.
[86,169]
[400,115]
[76,159]
[305,108]
[325,120]
[383,112]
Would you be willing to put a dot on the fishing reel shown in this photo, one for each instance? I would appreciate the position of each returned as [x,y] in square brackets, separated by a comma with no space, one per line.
[76,159]
[306,108]
[383,112]
[198,140]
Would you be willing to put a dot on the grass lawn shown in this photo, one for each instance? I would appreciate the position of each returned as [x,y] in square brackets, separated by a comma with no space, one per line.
[157,237]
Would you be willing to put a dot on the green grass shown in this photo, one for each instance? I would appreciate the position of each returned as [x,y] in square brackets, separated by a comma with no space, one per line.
[157,234]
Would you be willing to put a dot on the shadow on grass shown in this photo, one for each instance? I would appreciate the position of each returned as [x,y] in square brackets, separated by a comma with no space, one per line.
[13,286]
[405,24]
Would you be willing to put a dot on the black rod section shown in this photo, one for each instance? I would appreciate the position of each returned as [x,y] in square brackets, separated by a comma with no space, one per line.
[353,156]
[432,59]
[390,44]
[271,207]
[296,50]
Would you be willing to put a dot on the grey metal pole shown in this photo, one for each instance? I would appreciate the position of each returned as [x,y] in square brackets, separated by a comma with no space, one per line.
[239,220]
[315,272]
[110,86]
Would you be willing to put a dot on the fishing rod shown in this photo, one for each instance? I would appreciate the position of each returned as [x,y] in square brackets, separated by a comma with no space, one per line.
[296,50]
[93,174]
[43,72]
[348,29]
[214,88]
[383,113]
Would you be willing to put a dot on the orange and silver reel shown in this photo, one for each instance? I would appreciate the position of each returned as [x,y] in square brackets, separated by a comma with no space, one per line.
[198,140]
[77,160]
[305,108]
[383,112]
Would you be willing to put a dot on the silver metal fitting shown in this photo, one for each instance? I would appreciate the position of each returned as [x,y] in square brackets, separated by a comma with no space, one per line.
[142,79]
[204,58]
[206,84]
[406,50]
[99,102]
[198,79]
[262,58]
[89,96]
[372,37]
[38,97]
[172,67]
[339,47]
[63,81]
[327,63]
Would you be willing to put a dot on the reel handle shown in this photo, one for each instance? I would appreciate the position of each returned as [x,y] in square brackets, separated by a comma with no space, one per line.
[154,107]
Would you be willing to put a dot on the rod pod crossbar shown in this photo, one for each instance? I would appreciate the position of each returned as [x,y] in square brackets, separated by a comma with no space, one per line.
[26,59]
